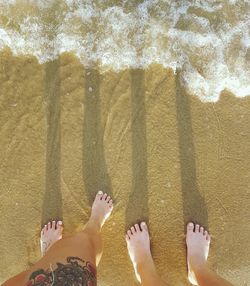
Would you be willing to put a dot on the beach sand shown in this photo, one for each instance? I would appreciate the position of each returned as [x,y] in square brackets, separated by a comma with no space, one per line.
[163,155]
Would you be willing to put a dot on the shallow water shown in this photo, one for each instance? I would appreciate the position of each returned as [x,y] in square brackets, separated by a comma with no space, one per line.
[208,41]
[76,117]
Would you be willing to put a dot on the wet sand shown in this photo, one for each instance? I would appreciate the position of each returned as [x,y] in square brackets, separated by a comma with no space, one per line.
[163,155]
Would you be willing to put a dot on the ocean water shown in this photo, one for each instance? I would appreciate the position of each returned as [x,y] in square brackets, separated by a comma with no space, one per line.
[207,41]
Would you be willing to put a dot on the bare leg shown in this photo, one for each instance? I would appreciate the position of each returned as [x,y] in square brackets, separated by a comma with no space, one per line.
[138,244]
[82,250]
[198,241]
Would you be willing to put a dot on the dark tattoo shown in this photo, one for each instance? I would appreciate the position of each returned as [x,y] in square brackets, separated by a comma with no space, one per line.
[70,274]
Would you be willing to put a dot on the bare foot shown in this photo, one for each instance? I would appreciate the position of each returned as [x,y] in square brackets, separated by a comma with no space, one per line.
[101,209]
[138,244]
[198,241]
[50,233]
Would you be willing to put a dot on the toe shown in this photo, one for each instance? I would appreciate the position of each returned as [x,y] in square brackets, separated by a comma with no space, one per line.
[44,229]
[49,225]
[108,199]
[137,228]
[59,224]
[190,227]
[202,230]
[129,233]
[197,228]
[144,226]
[99,195]
[105,196]
[110,202]
[132,230]
[53,224]
[127,237]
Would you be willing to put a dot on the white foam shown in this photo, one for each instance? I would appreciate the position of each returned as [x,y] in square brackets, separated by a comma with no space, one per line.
[212,55]
[7,2]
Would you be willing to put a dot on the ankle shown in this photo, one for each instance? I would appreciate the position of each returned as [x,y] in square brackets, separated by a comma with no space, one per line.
[200,268]
[147,272]
[93,224]
[146,265]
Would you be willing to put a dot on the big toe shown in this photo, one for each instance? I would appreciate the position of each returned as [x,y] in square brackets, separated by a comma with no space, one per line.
[99,195]
[190,227]
[144,226]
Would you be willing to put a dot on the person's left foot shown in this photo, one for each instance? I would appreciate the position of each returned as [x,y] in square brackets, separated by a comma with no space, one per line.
[101,209]
[50,233]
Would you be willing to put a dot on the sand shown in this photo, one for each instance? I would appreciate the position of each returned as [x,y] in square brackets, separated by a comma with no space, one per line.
[163,155]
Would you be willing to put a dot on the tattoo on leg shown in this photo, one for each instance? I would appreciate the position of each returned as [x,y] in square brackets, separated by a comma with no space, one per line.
[70,274]
[45,246]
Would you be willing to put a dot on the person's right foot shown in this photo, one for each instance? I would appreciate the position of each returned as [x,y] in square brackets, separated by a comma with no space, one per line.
[101,209]
[198,241]
[138,244]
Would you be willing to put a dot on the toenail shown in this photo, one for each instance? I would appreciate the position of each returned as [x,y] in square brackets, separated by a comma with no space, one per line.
[143,223]
[59,222]
[100,192]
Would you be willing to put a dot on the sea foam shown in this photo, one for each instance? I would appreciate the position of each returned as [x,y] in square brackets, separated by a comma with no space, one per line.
[207,42]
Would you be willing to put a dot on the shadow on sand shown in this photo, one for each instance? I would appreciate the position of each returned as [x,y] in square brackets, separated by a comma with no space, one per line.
[194,206]
[52,202]
[137,208]
[95,172]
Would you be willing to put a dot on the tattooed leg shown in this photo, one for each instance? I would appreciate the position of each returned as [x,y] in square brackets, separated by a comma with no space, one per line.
[75,272]
[85,245]
[138,244]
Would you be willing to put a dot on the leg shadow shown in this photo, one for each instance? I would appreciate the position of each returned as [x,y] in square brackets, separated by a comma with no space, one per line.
[95,172]
[194,206]
[137,208]
[52,202]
